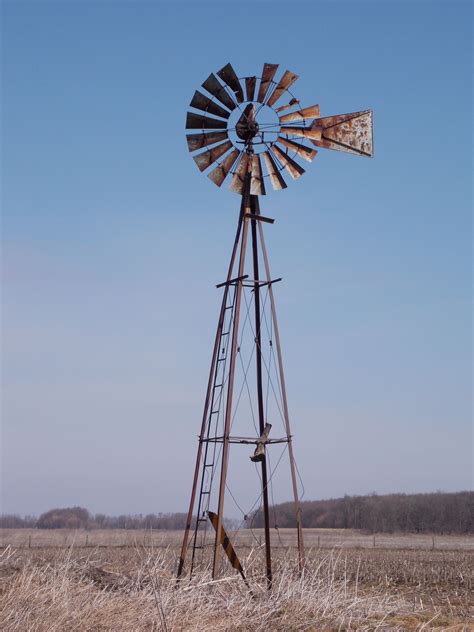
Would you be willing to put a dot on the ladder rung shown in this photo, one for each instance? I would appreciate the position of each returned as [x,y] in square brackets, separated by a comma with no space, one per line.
[208,464]
[230,306]
[225,333]
[221,359]
[218,385]
[205,493]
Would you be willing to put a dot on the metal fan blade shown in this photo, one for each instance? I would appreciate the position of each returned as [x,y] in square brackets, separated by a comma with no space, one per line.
[228,76]
[268,73]
[311,112]
[197,121]
[289,105]
[206,159]
[257,185]
[352,133]
[237,182]
[276,178]
[201,102]
[219,174]
[217,90]
[198,141]
[250,87]
[290,165]
[285,82]
[302,151]
[304,132]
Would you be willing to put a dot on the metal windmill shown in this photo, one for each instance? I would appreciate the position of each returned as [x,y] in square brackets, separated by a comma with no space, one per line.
[241,127]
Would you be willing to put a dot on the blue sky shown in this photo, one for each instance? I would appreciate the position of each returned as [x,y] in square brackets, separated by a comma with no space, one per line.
[113,242]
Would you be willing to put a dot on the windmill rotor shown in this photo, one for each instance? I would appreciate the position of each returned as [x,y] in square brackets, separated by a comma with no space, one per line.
[249,116]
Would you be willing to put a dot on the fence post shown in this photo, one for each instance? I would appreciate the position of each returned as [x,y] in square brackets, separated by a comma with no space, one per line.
[374,540]
[433,546]
[29,542]
[87,539]
[318,542]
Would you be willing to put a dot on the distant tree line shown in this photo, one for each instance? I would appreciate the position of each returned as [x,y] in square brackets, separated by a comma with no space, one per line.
[415,513]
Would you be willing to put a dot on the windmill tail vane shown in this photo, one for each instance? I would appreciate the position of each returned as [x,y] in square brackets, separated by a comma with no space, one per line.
[252,132]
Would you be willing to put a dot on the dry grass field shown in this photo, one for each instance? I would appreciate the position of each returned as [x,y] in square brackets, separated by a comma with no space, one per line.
[124,581]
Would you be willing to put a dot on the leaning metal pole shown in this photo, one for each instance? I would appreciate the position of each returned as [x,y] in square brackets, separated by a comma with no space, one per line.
[215,352]
[258,354]
[230,389]
[299,529]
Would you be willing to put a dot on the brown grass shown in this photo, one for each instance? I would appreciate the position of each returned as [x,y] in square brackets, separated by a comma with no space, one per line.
[133,588]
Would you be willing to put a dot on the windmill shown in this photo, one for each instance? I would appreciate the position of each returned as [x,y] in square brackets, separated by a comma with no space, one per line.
[253,131]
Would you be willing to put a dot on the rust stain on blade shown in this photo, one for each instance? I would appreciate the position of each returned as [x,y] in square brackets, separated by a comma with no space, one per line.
[217,90]
[250,87]
[206,159]
[198,141]
[351,133]
[276,178]
[219,174]
[237,182]
[257,185]
[293,168]
[228,76]
[311,112]
[201,102]
[285,82]
[268,73]
[313,133]
[289,105]
[301,150]
[197,121]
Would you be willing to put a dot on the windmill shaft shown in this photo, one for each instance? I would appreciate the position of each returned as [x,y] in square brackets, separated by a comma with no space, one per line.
[254,209]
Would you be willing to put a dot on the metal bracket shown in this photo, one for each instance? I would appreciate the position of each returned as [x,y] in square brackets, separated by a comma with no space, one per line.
[260,218]
[232,281]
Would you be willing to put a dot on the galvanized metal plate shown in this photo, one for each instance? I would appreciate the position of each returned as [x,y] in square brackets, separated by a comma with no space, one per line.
[257,185]
[208,157]
[285,82]
[301,132]
[250,83]
[237,182]
[198,141]
[228,76]
[301,150]
[198,121]
[310,112]
[214,87]
[293,168]
[268,73]
[201,102]
[274,174]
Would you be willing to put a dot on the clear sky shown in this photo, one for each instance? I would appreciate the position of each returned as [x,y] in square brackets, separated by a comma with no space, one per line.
[113,242]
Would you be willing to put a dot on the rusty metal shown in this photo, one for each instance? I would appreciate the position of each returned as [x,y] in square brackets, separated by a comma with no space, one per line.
[198,141]
[276,178]
[311,112]
[207,158]
[219,174]
[293,168]
[217,90]
[302,132]
[240,174]
[250,83]
[352,133]
[268,73]
[257,185]
[197,121]
[246,127]
[201,102]
[301,150]
[228,76]
[289,105]
[285,82]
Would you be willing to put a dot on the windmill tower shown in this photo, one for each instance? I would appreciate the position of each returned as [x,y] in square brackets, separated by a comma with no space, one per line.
[254,137]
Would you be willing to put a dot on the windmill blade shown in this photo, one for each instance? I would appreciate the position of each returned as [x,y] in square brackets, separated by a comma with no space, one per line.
[276,178]
[293,168]
[268,73]
[302,132]
[217,90]
[206,159]
[352,133]
[250,87]
[301,150]
[201,102]
[219,174]
[289,105]
[285,82]
[257,185]
[197,121]
[198,141]
[228,76]
[311,112]
[237,182]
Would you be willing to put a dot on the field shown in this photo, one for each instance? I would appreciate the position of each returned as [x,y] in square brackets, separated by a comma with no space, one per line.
[124,580]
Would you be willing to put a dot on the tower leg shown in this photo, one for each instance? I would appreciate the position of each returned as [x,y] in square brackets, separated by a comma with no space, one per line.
[301,554]
[215,353]
[230,389]
[261,415]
